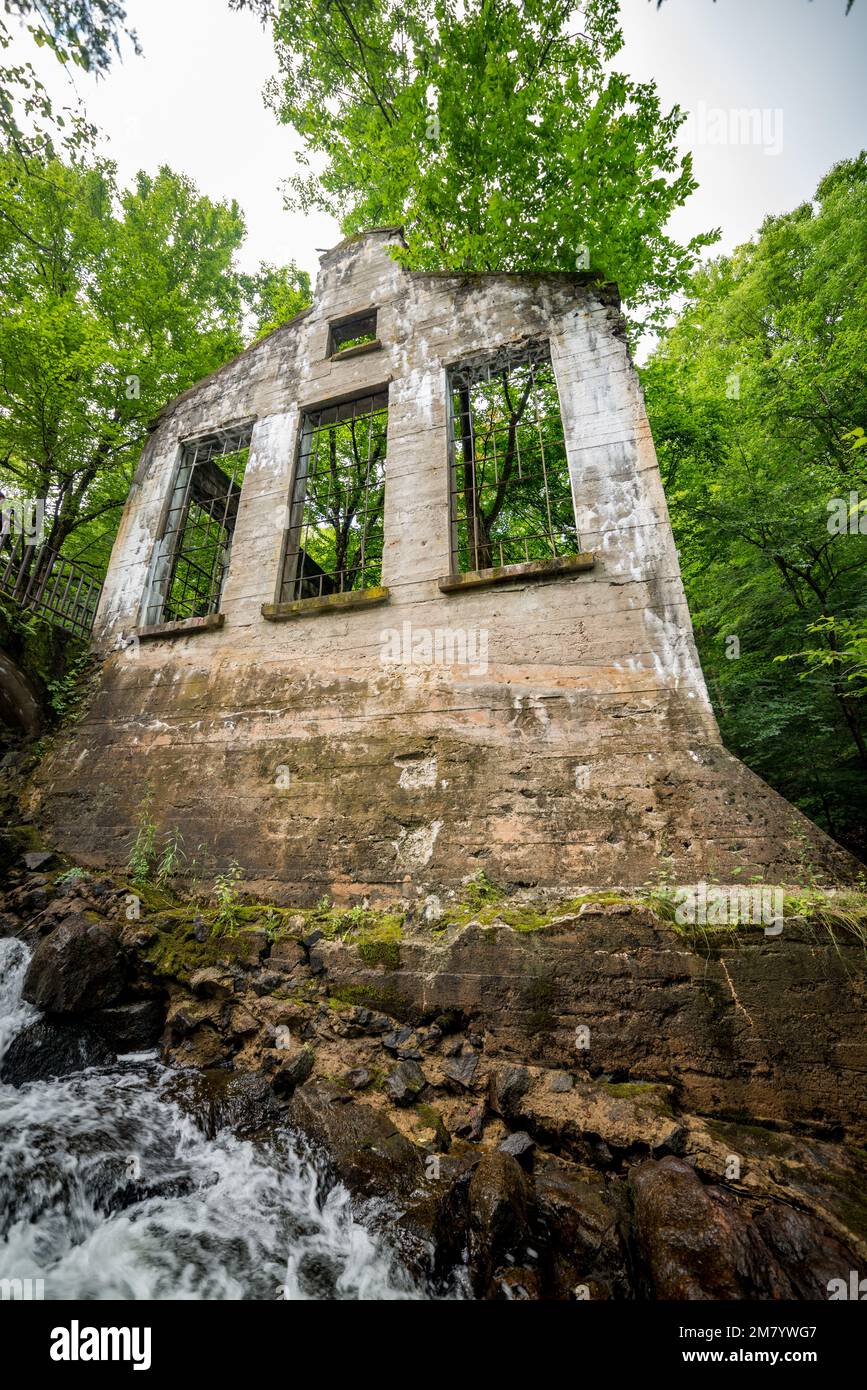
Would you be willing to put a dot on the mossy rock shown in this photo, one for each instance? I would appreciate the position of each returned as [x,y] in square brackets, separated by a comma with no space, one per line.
[384,953]
[650,1094]
[175,953]
[381,998]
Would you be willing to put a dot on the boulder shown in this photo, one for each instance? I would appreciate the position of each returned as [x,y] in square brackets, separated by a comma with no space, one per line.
[686,1250]
[404,1043]
[596,1121]
[37,858]
[365,1149]
[519,1145]
[79,967]
[500,1220]
[47,1049]
[699,1242]
[508,1087]
[241,1101]
[811,1255]
[581,1216]
[241,1023]
[293,1071]
[405,1084]
[130,1027]
[211,982]
[461,1071]
[186,1015]
[471,1126]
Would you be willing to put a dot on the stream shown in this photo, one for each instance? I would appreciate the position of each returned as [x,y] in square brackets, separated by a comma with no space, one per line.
[109,1189]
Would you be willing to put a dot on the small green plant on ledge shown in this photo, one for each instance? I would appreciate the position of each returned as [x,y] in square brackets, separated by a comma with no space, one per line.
[272,922]
[143,852]
[154,859]
[71,876]
[481,892]
[171,859]
[227,917]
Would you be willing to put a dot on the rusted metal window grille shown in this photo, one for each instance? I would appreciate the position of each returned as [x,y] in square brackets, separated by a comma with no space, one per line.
[59,590]
[511,495]
[334,539]
[192,558]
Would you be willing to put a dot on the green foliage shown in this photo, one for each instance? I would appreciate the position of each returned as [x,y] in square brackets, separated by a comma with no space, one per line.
[70,877]
[845,648]
[276,294]
[756,396]
[513,498]
[171,860]
[499,135]
[344,498]
[53,660]
[480,891]
[84,33]
[112,301]
[272,922]
[67,691]
[143,854]
[225,893]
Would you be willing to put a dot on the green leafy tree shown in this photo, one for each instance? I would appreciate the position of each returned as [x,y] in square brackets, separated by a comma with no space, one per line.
[86,34]
[276,294]
[111,302]
[758,401]
[496,132]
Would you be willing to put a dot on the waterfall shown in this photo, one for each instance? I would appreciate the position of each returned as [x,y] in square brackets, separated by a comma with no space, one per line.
[110,1189]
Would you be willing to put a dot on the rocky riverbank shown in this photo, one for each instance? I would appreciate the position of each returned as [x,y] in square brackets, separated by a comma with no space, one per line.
[573,1100]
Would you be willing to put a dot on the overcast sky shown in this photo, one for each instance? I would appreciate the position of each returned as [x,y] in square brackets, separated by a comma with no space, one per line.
[194,101]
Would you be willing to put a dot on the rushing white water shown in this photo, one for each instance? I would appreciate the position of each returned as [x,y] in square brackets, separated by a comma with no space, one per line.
[110,1190]
[14,1013]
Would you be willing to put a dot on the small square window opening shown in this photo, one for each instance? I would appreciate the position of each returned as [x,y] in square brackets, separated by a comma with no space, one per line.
[356,332]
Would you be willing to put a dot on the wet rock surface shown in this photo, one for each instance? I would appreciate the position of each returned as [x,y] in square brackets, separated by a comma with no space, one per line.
[80,966]
[697,1242]
[538,1166]
[46,1049]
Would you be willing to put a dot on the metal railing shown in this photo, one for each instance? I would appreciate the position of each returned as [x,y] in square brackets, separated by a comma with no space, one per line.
[47,584]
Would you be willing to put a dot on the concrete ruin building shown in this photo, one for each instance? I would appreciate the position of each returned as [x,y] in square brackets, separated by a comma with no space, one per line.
[395,599]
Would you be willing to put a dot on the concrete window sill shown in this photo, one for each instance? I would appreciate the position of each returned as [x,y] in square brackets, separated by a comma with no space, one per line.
[184,627]
[329,603]
[358,351]
[559,568]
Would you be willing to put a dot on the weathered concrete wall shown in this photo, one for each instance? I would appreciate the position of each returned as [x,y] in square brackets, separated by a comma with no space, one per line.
[586,752]
[739,1022]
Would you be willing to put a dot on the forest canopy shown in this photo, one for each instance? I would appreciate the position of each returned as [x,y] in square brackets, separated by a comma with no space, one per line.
[112,300]
[758,402]
[500,136]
